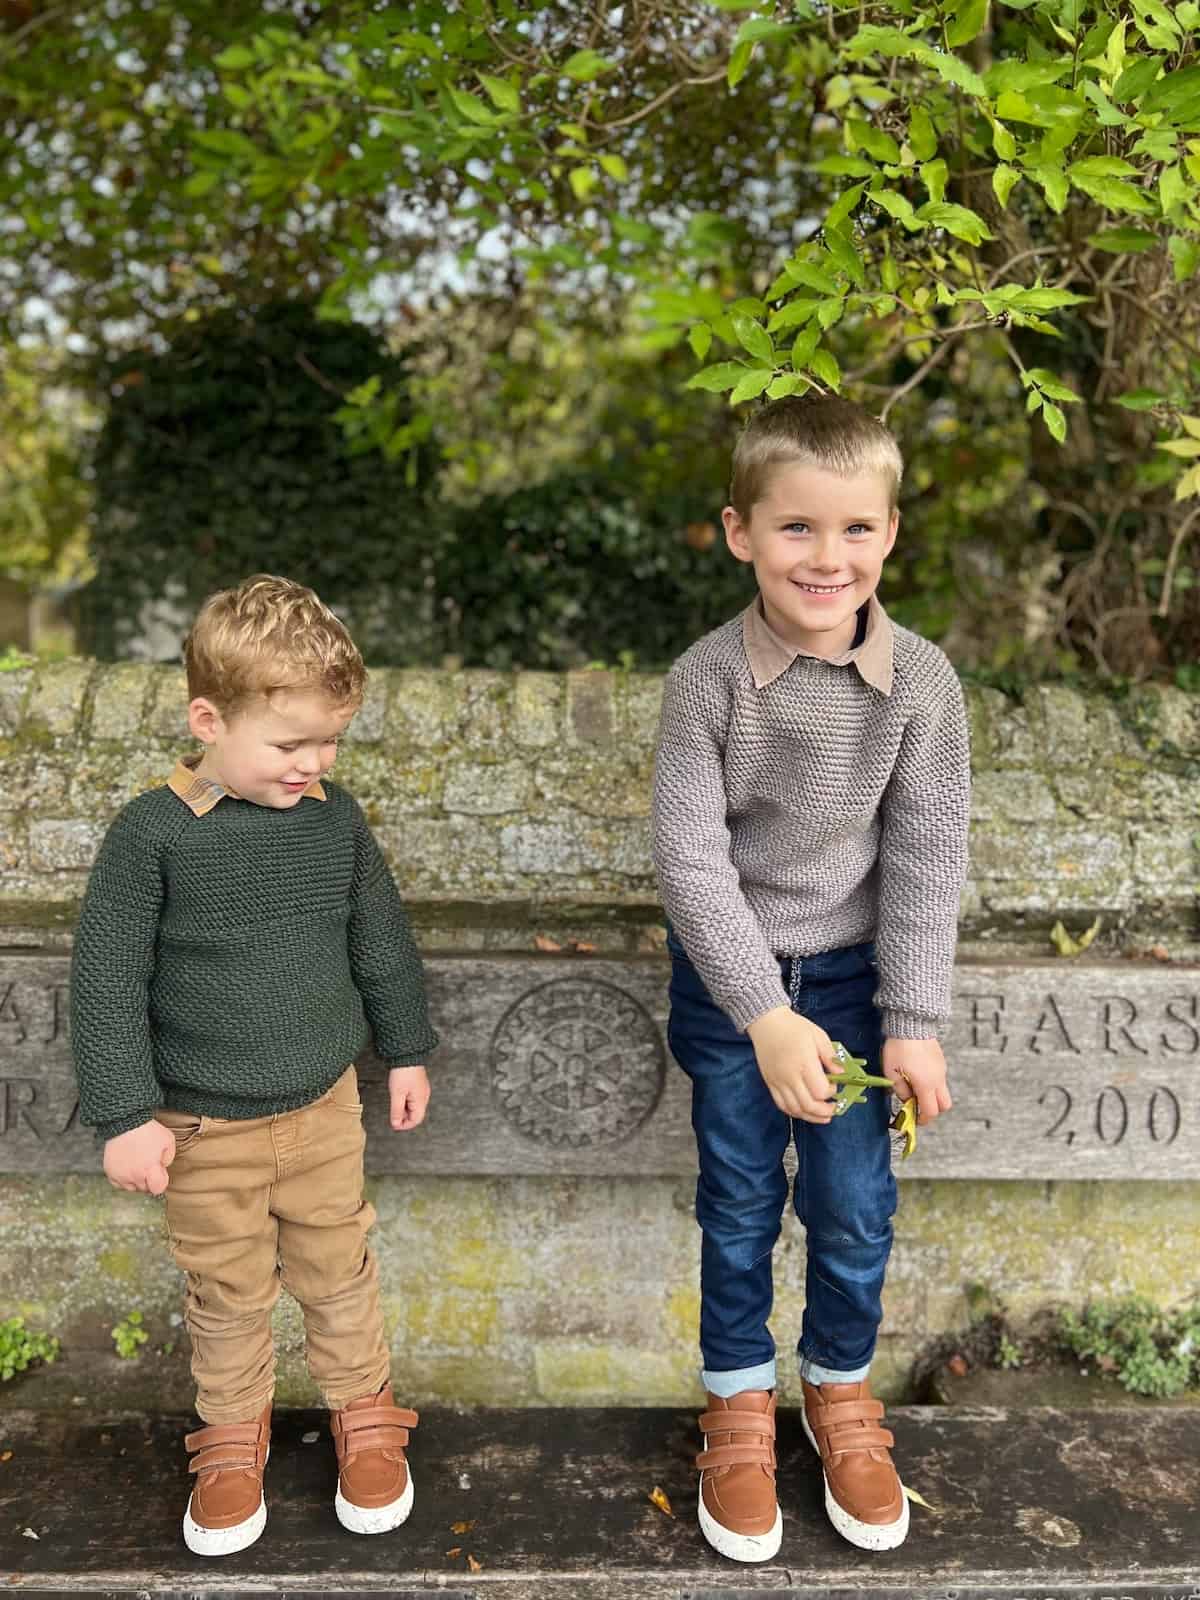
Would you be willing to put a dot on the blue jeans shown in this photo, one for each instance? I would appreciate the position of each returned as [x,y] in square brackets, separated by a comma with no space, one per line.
[844,1193]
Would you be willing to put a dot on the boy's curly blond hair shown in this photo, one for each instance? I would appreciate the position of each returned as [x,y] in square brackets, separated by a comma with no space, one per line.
[268,635]
[811,430]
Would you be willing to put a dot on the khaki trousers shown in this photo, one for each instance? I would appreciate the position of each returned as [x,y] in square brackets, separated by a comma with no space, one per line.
[270,1201]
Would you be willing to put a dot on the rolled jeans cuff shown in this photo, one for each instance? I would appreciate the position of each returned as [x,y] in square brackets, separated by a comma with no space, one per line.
[727,1384]
[813,1372]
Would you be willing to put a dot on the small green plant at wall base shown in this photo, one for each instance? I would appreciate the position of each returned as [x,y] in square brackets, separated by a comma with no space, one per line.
[1008,1354]
[19,1348]
[128,1335]
[1151,1351]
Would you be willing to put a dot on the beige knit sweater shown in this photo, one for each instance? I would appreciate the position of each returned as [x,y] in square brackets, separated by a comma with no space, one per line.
[801,805]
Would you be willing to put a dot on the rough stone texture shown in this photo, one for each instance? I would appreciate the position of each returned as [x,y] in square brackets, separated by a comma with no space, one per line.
[534,787]
[586,1290]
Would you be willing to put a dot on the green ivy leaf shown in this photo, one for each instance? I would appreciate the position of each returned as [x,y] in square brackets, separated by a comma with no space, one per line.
[804,346]
[1135,80]
[586,65]
[716,379]
[845,257]
[503,95]
[752,385]
[739,63]
[921,134]
[934,175]
[959,220]
[1140,399]
[877,143]
[752,337]
[896,205]
[793,314]
[824,364]
[1055,421]
[844,206]
[700,338]
[1185,256]
[1119,241]
[1053,183]
[1004,178]
[969,18]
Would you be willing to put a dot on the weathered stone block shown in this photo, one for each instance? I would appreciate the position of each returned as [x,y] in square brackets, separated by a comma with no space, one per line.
[1075,728]
[1053,856]
[119,700]
[598,785]
[537,709]
[1009,736]
[640,705]
[101,785]
[63,846]
[483,789]
[168,712]
[1012,796]
[34,778]
[484,721]
[56,699]
[591,715]
[391,788]
[423,707]
[1168,857]
[14,688]
[1167,719]
[433,857]
[542,848]
[370,725]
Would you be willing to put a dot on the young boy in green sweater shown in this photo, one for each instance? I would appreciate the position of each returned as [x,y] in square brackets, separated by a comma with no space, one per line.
[240,940]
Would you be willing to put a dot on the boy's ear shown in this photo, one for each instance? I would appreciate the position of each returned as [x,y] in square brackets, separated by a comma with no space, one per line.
[204,720]
[893,529]
[736,535]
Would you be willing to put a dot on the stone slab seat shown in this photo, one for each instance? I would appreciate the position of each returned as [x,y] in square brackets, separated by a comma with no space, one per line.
[1047,1505]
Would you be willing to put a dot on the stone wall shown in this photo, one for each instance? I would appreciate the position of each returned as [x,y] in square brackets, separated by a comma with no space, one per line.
[514,809]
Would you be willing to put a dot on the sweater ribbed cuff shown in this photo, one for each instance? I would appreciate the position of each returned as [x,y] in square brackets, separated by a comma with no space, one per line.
[416,1056]
[126,1124]
[746,1007]
[910,1025]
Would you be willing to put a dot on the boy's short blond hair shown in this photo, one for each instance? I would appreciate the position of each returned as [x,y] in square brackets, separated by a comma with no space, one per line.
[269,635]
[812,430]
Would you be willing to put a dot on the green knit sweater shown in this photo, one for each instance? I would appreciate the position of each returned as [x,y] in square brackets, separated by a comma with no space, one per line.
[234,964]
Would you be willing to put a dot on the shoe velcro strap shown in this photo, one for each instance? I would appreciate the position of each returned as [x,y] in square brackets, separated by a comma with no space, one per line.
[377,1417]
[738,1422]
[389,1438]
[223,1458]
[839,1412]
[243,1433]
[864,1439]
[736,1455]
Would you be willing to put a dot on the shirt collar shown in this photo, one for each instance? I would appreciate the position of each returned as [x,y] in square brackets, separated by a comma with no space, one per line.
[200,795]
[770,656]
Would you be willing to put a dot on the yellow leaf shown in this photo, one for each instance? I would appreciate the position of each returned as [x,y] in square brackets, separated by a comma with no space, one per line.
[475,1566]
[905,1124]
[657,1498]
[457,1551]
[1065,945]
[461,1527]
[918,1499]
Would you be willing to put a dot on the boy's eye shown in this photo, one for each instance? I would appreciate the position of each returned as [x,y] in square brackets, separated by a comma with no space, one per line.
[797,527]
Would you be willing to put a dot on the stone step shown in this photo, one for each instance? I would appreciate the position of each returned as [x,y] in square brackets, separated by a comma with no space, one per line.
[1046,1504]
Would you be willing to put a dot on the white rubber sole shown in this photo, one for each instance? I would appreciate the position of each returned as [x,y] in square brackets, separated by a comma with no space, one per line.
[863,1535]
[223,1541]
[374,1519]
[740,1546]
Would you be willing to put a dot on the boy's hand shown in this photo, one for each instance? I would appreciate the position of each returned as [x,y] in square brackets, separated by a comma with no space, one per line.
[923,1064]
[138,1160]
[408,1090]
[793,1056]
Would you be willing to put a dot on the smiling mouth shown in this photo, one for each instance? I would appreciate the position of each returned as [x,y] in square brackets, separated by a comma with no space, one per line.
[819,588]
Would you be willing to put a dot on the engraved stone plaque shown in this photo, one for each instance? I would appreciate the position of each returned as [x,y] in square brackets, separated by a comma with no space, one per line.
[559,1065]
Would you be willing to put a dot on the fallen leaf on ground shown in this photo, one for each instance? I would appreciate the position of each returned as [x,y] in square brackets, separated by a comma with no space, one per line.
[657,1498]
[544,942]
[475,1566]
[582,947]
[6,1456]
[28,1533]
[457,1551]
[1066,945]
[918,1499]
[1160,952]
[461,1527]
[958,1365]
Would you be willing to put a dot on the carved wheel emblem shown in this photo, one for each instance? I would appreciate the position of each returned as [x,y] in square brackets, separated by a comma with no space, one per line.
[577,1062]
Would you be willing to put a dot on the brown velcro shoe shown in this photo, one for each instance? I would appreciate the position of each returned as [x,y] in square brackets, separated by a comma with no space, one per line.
[863,1494]
[739,1514]
[226,1511]
[375,1489]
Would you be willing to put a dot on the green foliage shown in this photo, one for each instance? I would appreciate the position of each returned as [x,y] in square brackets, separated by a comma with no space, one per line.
[579,568]
[1150,1350]
[224,456]
[44,433]
[19,1348]
[128,1335]
[1009,1355]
